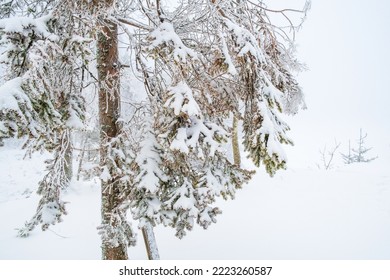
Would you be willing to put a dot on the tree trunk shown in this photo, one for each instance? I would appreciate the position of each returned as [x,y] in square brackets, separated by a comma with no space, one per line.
[109,111]
[68,156]
[150,242]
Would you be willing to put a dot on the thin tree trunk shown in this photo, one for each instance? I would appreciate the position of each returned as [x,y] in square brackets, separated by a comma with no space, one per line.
[150,242]
[68,156]
[109,111]
[235,143]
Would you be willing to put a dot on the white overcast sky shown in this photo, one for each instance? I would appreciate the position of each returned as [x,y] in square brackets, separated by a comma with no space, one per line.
[345,45]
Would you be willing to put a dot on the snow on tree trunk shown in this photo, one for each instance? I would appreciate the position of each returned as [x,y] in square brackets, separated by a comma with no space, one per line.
[196,71]
[109,110]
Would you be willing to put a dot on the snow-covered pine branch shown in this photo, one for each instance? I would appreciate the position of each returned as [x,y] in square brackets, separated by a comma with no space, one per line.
[194,163]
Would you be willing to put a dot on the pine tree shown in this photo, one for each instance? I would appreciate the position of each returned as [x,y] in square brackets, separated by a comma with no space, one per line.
[42,57]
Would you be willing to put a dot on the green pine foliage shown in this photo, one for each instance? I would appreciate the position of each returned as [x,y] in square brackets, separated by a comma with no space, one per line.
[201,64]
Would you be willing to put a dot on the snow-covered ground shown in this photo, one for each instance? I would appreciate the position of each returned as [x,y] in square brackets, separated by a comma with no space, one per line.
[301,213]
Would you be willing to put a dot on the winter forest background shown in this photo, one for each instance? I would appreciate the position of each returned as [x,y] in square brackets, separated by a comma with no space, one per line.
[318,208]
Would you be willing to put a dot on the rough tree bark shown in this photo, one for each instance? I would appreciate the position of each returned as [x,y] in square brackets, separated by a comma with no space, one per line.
[109,112]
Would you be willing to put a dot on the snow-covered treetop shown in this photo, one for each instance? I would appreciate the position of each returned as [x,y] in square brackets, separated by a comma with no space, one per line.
[21,24]
[165,36]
